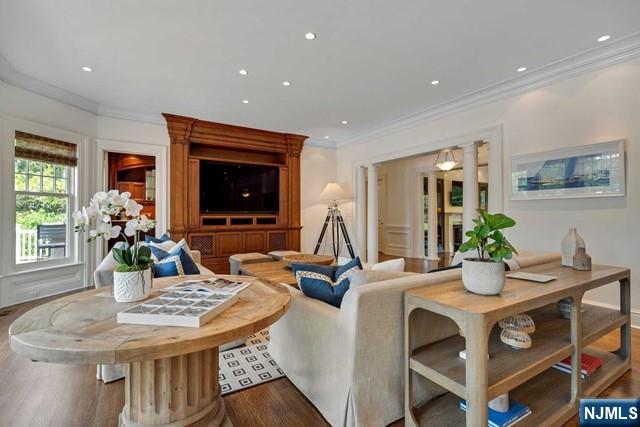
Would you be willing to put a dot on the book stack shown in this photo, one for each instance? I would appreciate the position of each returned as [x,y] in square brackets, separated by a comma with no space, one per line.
[589,364]
[516,412]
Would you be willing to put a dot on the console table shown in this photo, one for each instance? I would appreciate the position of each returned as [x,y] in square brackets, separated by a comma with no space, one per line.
[552,396]
[172,372]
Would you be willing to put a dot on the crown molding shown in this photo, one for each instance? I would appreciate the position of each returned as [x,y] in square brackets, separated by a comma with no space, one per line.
[600,57]
[321,142]
[11,76]
[118,113]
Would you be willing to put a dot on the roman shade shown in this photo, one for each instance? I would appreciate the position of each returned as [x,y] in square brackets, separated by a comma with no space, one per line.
[40,148]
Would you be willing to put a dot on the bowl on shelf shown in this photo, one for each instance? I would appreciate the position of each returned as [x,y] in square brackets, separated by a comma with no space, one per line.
[288,260]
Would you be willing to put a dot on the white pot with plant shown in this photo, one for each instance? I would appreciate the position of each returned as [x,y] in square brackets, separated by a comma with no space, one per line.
[132,277]
[484,275]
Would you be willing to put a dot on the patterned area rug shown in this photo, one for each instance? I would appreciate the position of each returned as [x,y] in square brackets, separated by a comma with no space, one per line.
[248,365]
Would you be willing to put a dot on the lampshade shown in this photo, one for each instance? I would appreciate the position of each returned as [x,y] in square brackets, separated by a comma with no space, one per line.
[332,192]
[445,160]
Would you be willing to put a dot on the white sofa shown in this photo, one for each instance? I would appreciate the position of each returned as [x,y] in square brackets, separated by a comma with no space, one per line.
[349,361]
[103,277]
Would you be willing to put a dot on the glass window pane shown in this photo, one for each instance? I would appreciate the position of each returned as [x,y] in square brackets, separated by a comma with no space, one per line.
[47,169]
[61,185]
[47,184]
[34,182]
[21,165]
[35,167]
[20,182]
[60,171]
[41,229]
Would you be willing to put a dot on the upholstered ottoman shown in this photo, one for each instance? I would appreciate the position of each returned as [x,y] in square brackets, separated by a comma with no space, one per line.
[237,260]
[277,255]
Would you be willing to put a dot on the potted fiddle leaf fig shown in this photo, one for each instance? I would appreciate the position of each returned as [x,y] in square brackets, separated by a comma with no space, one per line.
[132,277]
[484,275]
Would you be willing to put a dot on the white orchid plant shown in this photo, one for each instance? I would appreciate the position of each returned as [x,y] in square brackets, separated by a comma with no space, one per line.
[96,219]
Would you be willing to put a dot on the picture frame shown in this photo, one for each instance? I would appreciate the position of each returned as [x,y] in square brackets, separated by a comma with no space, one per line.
[594,170]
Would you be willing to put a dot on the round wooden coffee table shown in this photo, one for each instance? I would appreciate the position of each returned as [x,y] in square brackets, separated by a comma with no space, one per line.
[172,372]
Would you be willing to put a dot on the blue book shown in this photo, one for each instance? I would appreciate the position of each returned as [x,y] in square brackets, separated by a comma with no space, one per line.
[516,412]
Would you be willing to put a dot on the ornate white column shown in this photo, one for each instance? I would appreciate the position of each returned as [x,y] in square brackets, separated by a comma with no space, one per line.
[372,214]
[470,201]
[361,211]
[432,213]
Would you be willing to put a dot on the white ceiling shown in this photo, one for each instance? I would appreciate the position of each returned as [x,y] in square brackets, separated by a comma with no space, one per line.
[372,62]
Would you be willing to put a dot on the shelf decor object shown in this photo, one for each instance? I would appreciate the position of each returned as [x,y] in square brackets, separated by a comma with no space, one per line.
[515,338]
[581,260]
[484,275]
[594,170]
[570,243]
[522,322]
[432,362]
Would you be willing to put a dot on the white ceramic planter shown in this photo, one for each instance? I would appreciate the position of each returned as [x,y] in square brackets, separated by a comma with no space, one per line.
[483,277]
[131,286]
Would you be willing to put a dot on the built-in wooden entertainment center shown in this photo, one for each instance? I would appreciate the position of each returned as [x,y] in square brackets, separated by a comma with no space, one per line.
[219,235]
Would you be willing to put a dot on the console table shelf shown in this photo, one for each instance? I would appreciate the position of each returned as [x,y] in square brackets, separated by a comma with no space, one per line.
[527,375]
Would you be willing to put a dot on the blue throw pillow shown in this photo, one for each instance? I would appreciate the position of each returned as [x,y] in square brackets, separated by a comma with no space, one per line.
[169,266]
[163,238]
[328,284]
[188,265]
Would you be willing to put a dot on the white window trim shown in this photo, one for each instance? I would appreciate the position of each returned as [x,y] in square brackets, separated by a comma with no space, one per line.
[70,195]
[79,190]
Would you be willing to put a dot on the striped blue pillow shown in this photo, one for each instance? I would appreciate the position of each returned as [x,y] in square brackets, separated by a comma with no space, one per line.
[169,266]
[328,284]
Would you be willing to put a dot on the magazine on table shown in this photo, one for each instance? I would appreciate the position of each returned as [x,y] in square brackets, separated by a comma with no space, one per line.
[218,285]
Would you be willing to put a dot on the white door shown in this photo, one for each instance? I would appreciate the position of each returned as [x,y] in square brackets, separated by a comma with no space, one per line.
[382,204]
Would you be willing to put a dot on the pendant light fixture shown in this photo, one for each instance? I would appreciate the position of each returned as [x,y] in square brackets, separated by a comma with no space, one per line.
[445,160]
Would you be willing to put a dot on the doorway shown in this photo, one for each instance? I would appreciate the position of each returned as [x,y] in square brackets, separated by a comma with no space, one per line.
[135,174]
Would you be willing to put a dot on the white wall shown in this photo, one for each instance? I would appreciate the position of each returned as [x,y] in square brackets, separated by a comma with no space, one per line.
[599,106]
[317,168]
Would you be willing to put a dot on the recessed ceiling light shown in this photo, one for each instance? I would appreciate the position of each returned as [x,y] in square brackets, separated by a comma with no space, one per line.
[326,137]
[521,69]
[243,72]
[344,122]
[87,69]
[310,36]
[245,101]
[286,83]
[435,82]
[604,38]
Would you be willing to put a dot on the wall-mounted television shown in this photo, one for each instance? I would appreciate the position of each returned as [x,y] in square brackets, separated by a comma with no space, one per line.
[238,188]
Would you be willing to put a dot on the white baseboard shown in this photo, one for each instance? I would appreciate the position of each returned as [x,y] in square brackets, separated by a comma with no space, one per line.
[635,314]
[32,285]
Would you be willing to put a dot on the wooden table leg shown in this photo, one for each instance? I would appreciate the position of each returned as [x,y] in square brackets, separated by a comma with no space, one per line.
[176,392]
[476,334]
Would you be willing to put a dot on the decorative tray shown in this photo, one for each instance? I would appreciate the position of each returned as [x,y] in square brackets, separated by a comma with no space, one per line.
[193,305]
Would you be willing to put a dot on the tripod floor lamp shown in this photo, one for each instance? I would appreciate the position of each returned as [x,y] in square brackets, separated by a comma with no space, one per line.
[333,193]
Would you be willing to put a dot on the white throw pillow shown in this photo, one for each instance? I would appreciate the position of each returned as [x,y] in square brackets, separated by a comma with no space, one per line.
[165,246]
[393,265]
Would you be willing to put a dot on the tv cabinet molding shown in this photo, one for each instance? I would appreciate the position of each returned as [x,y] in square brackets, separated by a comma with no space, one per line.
[432,361]
[218,236]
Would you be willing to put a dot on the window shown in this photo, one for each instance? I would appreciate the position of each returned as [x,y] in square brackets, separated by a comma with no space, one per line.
[43,199]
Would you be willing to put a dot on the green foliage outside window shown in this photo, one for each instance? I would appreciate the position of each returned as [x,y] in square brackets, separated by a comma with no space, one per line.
[39,177]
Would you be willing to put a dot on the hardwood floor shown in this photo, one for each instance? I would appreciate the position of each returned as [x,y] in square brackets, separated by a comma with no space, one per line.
[35,394]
